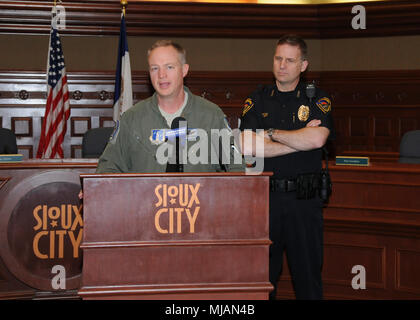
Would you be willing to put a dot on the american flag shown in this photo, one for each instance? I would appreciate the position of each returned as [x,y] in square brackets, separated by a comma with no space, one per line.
[57,109]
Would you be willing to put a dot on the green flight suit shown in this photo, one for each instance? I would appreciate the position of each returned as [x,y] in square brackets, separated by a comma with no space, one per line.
[131,149]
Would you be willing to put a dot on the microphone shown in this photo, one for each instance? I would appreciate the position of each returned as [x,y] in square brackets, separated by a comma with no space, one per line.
[310,91]
[179,127]
[218,149]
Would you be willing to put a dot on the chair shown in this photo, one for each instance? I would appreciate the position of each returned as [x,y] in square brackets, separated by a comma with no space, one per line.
[94,141]
[410,147]
[7,142]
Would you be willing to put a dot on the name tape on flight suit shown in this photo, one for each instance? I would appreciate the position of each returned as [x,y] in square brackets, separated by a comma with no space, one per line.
[159,136]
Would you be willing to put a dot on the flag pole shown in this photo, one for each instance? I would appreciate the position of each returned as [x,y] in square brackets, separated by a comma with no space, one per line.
[124,3]
[57,106]
[123,92]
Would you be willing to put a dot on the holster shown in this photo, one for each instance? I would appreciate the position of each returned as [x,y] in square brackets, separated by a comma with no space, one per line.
[311,184]
[325,185]
[307,185]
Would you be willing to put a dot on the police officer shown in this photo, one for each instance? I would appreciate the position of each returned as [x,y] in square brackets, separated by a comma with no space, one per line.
[297,121]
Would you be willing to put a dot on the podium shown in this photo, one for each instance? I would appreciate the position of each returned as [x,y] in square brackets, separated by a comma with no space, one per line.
[175,236]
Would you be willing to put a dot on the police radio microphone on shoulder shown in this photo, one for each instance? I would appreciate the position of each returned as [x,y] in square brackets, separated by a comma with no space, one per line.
[310,91]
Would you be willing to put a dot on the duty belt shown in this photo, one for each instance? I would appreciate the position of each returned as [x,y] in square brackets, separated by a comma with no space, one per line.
[282,185]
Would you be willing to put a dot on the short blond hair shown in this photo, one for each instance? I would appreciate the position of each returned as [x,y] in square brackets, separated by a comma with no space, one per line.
[169,43]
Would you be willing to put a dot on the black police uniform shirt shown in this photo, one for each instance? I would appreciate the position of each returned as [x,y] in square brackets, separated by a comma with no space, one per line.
[267,108]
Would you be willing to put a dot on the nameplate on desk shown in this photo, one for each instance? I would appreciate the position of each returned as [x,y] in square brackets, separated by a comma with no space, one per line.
[351,161]
[10,158]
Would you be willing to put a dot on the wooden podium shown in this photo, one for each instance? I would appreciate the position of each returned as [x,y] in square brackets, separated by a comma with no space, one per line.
[175,236]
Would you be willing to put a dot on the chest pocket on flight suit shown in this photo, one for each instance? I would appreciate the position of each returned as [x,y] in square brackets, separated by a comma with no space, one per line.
[143,143]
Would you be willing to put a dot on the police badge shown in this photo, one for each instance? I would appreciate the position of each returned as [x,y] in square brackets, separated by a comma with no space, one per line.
[303,113]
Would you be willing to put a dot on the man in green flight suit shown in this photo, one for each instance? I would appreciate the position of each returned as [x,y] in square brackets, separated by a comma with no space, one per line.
[136,144]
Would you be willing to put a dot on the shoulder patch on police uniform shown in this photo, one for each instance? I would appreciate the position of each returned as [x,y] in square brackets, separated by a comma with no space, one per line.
[247,106]
[324,104]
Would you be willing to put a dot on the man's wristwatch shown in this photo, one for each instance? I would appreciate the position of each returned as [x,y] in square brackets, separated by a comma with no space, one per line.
[270,133]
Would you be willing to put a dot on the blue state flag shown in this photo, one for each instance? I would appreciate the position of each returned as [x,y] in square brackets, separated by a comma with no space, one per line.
[123,93]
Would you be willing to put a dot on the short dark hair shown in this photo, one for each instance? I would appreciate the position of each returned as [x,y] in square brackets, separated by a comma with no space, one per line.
[169,43]
[294,40]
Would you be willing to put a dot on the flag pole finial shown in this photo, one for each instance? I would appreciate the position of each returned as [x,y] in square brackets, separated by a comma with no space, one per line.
[124,4]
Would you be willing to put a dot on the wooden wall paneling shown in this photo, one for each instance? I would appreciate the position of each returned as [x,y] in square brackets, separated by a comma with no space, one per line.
[183,19]
[90,98]
[371,110]
[374,197]
[348,250]
[359,126]
[407,275]
[106,122]
[385,133]
[374,108]
[342,132]
[393,87]
[22,126]
[372,220]
[342,257]
[79,125]
[406,124]
[27,151]
[335,19]
[160,18]
[227,89]
[76,151]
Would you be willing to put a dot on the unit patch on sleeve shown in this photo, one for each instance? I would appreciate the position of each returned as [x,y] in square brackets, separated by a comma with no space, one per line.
[114,135]
[324,104]
[247,106]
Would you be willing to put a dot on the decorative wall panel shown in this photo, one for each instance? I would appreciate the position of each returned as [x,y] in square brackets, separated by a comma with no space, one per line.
[364,123]
[183,19]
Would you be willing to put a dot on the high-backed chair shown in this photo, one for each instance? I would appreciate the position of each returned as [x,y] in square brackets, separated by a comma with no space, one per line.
[94,141]
[410,147]
[7,142]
